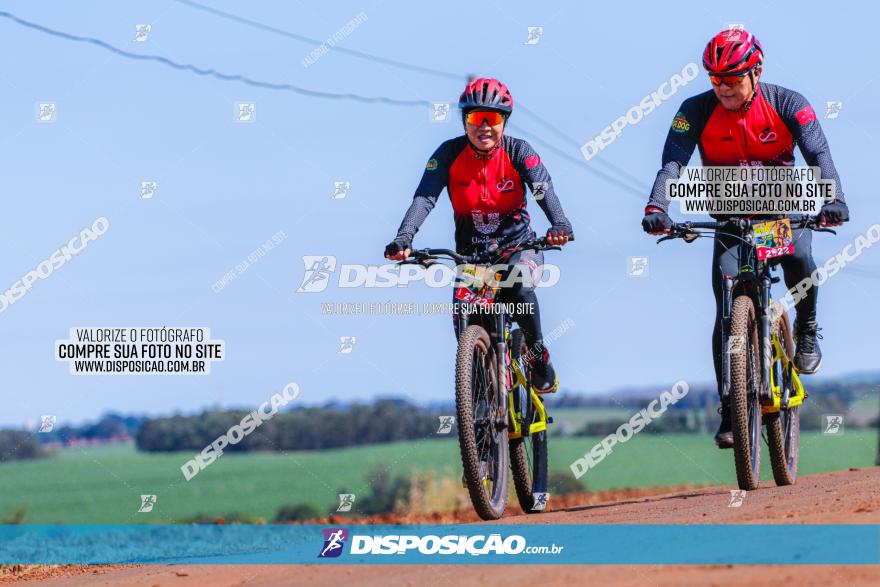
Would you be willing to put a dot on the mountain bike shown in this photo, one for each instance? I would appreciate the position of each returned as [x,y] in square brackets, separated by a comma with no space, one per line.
[759,379]
[502,421]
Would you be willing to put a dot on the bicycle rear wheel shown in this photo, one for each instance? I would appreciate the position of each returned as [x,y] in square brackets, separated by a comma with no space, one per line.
[528,454]
[482,436]
[745,381]
[783,427]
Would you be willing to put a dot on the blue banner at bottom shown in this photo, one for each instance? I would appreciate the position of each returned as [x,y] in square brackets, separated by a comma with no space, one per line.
[443,544]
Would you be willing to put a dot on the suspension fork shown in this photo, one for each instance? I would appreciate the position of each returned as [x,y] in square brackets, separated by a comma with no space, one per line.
[500,344]
[459,319]
[765,342]
[726,308]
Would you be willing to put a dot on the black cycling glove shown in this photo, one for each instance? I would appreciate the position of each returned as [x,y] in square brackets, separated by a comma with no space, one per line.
[396,246]
[833,213]
[656,221]
[558,232]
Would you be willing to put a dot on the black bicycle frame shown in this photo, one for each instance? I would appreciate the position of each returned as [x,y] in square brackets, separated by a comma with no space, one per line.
[497,325]
[753,280]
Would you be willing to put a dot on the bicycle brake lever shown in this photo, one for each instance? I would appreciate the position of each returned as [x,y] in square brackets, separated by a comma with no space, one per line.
[666,238]
[417,261]
[690,237]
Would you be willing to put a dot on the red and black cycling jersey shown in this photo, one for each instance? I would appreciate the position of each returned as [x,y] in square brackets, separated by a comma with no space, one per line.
[765,134]
[487,191]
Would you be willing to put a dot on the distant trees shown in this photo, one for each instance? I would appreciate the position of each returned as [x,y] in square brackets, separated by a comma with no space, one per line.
[19,445]
[109,427]
[302,429]
[672,421]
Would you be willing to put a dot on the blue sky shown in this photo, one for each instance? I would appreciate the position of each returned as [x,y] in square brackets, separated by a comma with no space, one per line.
[225,187]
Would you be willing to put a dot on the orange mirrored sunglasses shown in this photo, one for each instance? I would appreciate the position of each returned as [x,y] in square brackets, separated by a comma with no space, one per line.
[730,80]
[477,118]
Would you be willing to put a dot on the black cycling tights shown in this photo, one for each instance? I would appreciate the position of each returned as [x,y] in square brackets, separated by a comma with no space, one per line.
[795,267]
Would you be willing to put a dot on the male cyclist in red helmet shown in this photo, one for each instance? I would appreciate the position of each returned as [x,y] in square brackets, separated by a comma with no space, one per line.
[485,173]
[743,122]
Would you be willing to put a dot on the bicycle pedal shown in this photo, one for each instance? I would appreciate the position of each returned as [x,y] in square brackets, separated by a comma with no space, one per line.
[549,419]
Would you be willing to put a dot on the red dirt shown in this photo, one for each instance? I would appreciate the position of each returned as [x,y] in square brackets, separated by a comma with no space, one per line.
[851,497]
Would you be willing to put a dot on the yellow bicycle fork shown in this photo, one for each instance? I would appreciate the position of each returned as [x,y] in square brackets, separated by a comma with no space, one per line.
[797,394]
[516,417]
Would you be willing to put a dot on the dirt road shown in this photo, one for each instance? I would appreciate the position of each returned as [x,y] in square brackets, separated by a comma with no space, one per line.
[851,497]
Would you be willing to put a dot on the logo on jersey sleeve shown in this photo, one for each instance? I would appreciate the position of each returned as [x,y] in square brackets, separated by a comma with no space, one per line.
[680,123]
[806,115]
[532,162]
[432,165]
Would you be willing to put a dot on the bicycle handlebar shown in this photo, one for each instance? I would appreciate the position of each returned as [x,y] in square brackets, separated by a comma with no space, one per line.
[538,244]
[687,230]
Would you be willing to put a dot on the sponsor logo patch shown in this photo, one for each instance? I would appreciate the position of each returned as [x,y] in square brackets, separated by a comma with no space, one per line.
[505,185]
[533,161]
[806,115]
[486,223]
[767,136]
[432,165]
[680,123]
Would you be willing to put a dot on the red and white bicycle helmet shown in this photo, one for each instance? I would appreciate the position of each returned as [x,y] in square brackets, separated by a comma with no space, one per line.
[732,52]
[486,93]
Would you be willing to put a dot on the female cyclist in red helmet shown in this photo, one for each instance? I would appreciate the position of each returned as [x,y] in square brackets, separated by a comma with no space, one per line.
[741,122]
[485,172]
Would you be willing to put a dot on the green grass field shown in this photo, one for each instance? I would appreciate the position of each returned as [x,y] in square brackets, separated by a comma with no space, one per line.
[573,419]
[866,406]
[104,484]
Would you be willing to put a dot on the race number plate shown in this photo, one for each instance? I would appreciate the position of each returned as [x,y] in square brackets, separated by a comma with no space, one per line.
[479,285]
[773,239]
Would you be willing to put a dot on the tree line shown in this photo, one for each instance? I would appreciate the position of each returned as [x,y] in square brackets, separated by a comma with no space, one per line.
[301,429]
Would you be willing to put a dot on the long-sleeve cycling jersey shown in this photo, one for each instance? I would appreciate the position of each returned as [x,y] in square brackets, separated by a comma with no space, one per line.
[487,191]
[766,134]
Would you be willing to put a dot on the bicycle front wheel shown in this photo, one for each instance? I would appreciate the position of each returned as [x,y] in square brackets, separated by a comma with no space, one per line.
[482,435]
[528,454]
[745,382]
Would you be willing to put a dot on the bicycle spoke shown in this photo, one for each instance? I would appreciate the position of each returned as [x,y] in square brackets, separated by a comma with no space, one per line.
[754,409]
[484,458]
[483,416]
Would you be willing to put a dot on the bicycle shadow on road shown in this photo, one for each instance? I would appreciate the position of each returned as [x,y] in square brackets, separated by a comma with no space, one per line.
[660,498]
